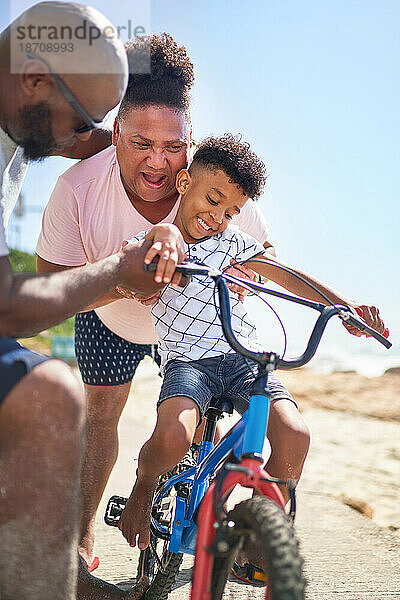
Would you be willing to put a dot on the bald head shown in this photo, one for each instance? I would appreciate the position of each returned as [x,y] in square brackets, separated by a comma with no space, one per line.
[64,68]
[92,43]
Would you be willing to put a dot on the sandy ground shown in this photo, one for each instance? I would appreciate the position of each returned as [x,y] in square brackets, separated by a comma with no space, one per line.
[355,451]
[377,397]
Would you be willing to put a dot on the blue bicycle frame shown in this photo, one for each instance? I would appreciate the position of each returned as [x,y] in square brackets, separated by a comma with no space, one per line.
[246,437]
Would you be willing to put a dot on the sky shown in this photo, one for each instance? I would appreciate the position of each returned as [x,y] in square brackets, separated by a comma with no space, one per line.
[314,87]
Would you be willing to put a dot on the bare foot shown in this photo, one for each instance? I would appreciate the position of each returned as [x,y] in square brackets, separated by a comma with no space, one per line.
[135,518]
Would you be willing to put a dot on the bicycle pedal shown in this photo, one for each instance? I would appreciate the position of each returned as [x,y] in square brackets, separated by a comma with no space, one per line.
[166,510]
[115,506]
[249,574]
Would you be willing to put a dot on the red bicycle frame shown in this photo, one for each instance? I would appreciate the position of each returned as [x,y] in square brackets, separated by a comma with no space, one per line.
[254,478]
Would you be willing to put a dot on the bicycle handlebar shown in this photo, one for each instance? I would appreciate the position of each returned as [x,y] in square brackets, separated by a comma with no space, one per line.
[326,313]
[346,313]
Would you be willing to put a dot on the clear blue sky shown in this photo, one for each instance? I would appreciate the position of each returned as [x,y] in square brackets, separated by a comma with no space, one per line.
[314,86]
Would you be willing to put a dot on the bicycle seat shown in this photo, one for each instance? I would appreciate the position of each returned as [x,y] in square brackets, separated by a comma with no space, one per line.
[221,405]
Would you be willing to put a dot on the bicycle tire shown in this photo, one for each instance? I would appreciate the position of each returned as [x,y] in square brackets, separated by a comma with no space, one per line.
[261,519]
[162,580]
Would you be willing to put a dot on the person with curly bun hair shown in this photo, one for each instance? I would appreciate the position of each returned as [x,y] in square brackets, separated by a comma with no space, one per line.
[170,78]
[97,203]
[197,362]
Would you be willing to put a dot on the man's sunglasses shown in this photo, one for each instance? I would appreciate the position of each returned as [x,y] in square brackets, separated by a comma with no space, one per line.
[89,123]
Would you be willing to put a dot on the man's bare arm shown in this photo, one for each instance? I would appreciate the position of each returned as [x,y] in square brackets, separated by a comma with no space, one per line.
[30,303]
[99,140]
[44,266]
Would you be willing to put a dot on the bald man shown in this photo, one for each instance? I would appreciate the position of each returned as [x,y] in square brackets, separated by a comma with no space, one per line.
[48,102]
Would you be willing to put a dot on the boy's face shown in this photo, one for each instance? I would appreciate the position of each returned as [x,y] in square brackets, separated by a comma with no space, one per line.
[209,202]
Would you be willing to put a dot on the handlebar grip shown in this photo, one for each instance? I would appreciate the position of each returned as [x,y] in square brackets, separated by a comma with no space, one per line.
[188,269]
[361,326]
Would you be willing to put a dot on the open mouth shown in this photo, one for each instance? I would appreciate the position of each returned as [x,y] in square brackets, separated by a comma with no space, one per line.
[155,181]
[203,225]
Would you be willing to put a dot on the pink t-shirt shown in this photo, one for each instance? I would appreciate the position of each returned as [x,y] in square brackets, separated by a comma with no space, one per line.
[89,215]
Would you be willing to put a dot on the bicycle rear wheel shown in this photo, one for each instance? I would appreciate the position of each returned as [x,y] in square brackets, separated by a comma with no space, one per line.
[162,576]
[260,521]
[156,562]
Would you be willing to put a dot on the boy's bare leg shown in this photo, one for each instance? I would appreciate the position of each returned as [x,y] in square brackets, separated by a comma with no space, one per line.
[42,431]
[105,405]
[289,437]
[173,434]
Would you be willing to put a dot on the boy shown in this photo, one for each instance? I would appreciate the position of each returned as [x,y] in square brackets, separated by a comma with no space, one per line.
[197,362]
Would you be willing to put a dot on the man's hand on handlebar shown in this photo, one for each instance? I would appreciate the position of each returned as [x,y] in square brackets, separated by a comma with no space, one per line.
[164,241]
[370,314]
[167,243]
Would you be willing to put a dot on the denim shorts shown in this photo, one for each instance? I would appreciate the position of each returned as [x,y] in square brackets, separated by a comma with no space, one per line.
[104,358]
[15,362]
[224,377]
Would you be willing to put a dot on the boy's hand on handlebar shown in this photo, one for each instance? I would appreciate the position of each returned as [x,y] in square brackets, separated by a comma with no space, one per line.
[244,272]
[370,314]
[168,245]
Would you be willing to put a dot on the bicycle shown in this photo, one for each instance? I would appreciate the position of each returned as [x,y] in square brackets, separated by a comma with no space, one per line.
[189,514]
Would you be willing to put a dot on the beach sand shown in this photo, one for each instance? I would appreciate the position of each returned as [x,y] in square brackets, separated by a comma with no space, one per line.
[377,397]
[355,450]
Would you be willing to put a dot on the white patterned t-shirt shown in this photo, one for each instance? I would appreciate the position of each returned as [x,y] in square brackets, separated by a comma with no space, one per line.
[186,319]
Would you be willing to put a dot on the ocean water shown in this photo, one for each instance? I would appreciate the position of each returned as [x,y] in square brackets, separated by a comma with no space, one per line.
[338,350]
[370,366]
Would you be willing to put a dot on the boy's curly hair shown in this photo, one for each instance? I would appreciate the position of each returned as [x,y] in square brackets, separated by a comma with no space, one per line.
[170,78]
[235,158]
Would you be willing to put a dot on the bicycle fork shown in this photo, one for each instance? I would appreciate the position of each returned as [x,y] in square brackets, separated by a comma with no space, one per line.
[249,474]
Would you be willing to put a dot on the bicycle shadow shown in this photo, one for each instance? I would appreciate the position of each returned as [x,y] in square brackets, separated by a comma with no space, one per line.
[184,577]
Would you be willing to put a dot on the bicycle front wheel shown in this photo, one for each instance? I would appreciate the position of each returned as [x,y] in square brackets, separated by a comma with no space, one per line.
[262,523]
